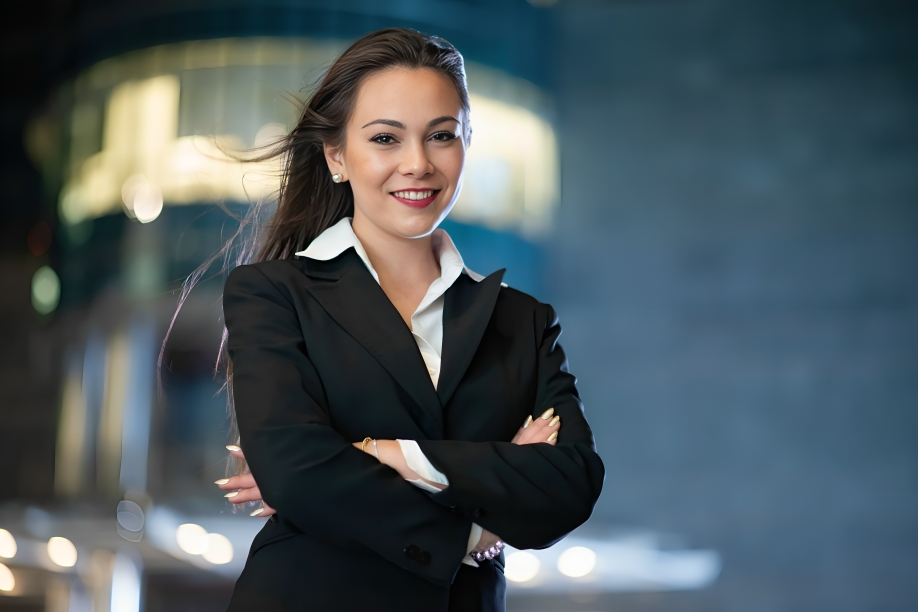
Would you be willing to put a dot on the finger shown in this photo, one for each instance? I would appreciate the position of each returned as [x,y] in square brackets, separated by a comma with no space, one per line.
[526,424]
[235,451]
[540,430]
[243,481]
[264,511]
[244,495]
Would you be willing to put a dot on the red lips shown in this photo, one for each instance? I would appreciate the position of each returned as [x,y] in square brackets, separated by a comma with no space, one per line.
[416,203]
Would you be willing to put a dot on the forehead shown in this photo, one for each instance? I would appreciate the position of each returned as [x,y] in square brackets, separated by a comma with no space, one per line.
[406,95]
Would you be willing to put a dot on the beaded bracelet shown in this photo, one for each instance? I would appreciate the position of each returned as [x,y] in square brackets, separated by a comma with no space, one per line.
[482,555]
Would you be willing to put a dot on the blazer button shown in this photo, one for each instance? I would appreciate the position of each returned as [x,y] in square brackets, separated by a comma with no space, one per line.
[424,559]
[411,551]
[476,513]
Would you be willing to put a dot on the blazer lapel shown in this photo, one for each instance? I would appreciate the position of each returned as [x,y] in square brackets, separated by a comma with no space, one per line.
[348,292]
[466,312]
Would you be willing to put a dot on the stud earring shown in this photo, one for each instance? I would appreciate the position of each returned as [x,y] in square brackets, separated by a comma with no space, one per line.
[336,178]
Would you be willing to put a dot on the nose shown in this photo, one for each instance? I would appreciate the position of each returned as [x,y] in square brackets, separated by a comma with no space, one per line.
[416,162]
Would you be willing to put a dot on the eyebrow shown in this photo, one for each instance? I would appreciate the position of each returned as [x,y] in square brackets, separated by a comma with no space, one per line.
[401,126]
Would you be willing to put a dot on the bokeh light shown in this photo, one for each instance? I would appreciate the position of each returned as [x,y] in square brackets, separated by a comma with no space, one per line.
[142,199]
[46,290]
[577,561]
[62,551]
[219,549]
[192,538]
[7,580]
[521,566]
[8,546]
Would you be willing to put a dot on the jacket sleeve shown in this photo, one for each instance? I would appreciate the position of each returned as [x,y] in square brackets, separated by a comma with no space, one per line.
[305,469]
[530,495]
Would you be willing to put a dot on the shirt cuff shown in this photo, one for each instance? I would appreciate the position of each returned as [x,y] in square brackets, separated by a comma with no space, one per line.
[418,462]
[474,536]
[423,485]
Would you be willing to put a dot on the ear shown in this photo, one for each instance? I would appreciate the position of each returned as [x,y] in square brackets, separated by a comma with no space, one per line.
[335,160]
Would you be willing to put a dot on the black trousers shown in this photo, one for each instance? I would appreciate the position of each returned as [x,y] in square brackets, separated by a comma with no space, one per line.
[479,589]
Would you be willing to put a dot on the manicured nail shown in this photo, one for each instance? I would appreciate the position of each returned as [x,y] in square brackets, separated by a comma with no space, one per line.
[554,421]
[222,481]
[547,414]
[235,493]
[528,422]
[553,436]
[256,512]
[232,447]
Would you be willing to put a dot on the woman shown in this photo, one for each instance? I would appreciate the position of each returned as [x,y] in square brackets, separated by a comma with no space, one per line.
[400,414]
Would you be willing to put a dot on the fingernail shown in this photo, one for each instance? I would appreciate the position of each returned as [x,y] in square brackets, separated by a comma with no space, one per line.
[554,421]
[222,481]
[528,422]
[256,512]
[553,436]
[235,493]
[547,414]
[232,447]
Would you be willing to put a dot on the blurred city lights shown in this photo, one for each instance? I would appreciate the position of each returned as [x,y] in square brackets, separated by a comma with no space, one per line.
[8,546]
[142,199]
[219,549]
[521,566]
[192,538]
[46,290]
[577,561]
[7,580]
[62,551]
[154,151]
[126,581]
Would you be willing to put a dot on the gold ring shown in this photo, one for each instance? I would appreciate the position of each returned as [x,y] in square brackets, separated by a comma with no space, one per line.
[366,441]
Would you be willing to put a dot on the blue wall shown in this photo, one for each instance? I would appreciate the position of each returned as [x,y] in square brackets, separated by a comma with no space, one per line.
[735,268]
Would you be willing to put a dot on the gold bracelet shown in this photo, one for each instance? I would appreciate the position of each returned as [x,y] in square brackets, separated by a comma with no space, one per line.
[366,441]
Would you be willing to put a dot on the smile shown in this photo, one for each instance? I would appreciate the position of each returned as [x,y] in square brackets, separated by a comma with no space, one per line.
[416,198]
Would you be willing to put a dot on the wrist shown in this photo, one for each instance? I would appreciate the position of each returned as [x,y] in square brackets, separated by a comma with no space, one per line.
[390,453]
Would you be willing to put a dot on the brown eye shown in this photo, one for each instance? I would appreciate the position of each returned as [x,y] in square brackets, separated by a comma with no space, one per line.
[383,139]
[443,136]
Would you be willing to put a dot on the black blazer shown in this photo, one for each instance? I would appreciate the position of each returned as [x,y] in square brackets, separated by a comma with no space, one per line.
[321,358]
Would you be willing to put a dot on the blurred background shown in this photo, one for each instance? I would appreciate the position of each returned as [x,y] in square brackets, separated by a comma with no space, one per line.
[719,198]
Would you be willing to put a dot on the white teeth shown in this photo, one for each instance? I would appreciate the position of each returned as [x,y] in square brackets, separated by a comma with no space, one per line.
[413,195]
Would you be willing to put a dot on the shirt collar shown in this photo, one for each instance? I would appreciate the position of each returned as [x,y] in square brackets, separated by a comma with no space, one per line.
[340,237]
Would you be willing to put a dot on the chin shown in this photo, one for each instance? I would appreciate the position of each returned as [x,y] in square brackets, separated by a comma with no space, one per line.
[419,223]
[417,229]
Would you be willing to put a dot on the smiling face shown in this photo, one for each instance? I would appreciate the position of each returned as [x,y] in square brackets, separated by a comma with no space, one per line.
[403,152]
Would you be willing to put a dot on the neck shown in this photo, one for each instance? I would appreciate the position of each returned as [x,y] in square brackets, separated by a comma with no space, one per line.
[406,263]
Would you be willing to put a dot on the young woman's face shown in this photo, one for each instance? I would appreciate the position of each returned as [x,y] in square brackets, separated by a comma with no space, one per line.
[404,152]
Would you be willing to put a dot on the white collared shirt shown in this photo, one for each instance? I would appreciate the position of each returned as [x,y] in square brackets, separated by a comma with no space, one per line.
[426,327]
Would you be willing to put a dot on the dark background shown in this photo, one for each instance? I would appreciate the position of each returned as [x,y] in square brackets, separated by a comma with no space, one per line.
[733,259]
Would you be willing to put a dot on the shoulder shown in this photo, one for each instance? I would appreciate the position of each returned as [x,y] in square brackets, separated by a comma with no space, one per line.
[520,304]
[277,275]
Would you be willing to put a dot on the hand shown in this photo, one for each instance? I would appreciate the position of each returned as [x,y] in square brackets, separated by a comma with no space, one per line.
[486,541]
[245,488]
[545,428]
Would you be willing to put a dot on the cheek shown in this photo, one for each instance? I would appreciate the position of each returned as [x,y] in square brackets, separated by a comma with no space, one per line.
[370,171]
[450,163]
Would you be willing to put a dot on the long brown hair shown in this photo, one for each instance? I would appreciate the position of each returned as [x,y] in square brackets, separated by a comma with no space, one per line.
[308,202]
